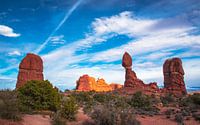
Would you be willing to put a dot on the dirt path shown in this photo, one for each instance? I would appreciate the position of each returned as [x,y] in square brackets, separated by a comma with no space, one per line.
[80,118]
[36,120]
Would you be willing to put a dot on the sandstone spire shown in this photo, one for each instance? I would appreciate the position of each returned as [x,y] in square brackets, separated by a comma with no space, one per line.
[30,68]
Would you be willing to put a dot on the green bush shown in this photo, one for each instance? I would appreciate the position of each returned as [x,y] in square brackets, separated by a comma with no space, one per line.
[57,119]
[139,100]
[195,98]
[69,108]
[9,105]
[82,97]
[38,95]
[169,98]
[179,118]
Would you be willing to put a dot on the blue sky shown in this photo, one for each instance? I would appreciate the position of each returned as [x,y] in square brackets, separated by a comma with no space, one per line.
[76,37]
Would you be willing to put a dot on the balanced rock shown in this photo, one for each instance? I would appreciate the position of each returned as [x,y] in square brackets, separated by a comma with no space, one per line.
[30,68]
[126,60]
[174,76]
[87,83]
[131,79]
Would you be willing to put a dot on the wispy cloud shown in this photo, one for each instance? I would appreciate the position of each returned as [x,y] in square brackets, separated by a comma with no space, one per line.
[14,53]
[150,40]
[7,31]
[55,40]
[67,15]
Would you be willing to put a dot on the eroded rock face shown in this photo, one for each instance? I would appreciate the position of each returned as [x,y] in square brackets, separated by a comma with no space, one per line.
[115,86]
[30,68]
[87,83]
[174,76]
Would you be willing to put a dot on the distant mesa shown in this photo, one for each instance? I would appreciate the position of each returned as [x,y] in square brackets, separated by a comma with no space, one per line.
[87,83]
[30,68]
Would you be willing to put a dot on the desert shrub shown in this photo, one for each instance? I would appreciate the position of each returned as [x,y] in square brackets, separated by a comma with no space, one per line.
[9,105]
[103,97]
[99,97]
[179,118]
[139,100]
[121,102]
[57,119]
[38,95]
[88,122]
[196,116]
[169,98]
[69,108]
[108,115]
[195,98]
[169,112]
[82,97]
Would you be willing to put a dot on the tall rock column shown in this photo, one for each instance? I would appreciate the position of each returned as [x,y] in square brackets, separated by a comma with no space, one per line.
[174,76]
[131,79]
[30,68]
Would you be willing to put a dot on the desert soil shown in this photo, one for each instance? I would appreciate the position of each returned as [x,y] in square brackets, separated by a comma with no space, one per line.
[81,117]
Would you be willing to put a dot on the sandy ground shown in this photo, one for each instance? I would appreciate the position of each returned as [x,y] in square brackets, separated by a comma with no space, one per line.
[162,120]
[29,120]
[81,117]
[36,120]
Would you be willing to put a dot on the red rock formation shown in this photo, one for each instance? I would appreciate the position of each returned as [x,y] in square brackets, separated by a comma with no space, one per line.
[87,83]
[115,86]
[131,79]
[132,84]
[174,76]
[30,68]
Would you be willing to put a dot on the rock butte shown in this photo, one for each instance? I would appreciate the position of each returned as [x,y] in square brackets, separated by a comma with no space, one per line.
[87,83]
[30,68]
[174,76]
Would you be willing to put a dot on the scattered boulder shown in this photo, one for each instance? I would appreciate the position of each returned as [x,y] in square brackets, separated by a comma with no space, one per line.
[30,68]
[174,76]
[87,83]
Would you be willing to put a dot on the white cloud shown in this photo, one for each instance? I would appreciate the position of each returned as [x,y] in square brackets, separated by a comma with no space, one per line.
[149,36]
[57,39]
[7,31]
[15,53]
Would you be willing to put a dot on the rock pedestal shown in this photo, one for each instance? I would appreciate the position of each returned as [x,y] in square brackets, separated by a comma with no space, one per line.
[131,79]
[30,68]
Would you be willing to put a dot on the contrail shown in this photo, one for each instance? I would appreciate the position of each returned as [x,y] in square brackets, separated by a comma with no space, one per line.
[59,25]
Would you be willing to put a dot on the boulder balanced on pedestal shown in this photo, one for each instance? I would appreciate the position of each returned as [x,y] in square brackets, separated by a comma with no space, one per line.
[131,79]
